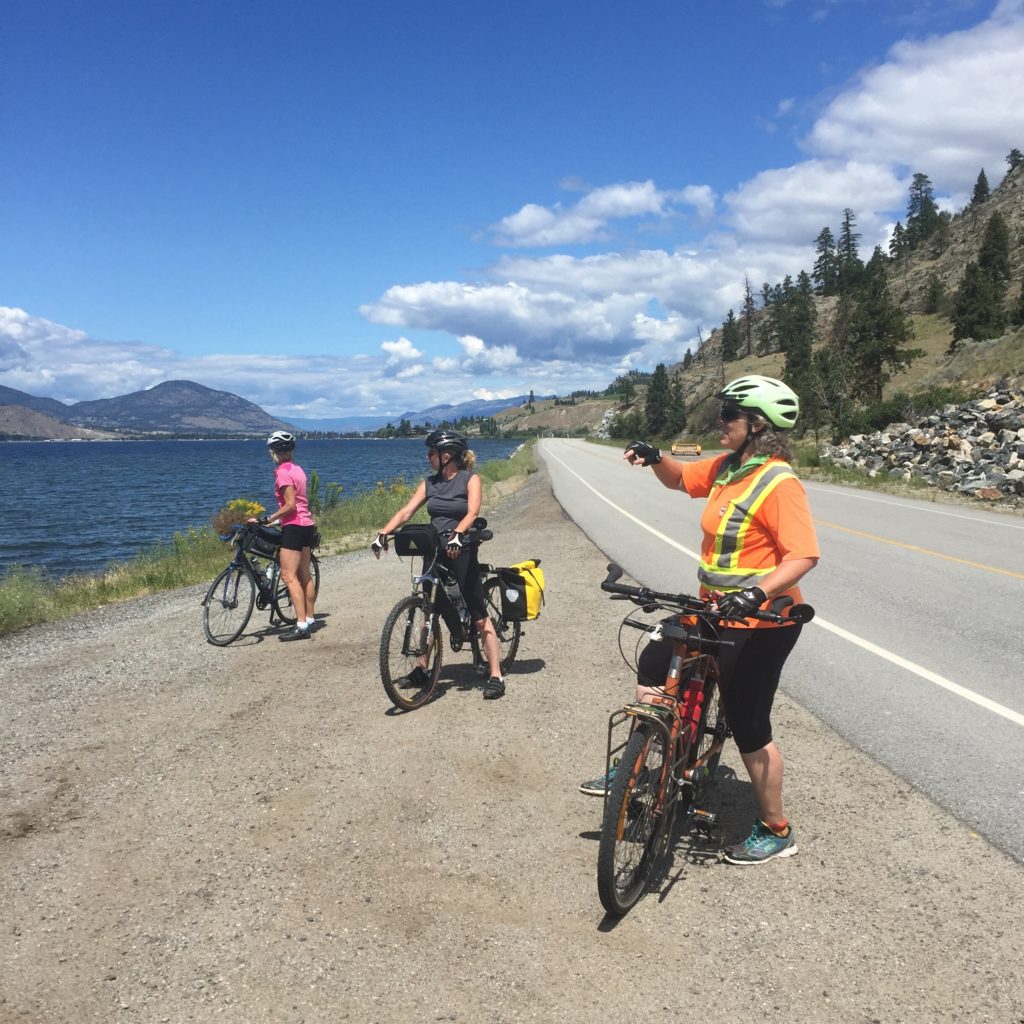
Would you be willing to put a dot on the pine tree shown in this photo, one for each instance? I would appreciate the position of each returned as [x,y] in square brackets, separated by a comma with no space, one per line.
[747,316]
[826,264]
[848,261]
[1014,158]
[981,190]
[880,332]
[658,401]
[977,311]
[801,321]
[898,245]
[730,338]
[922,211]
[934,293]
[676,422]
[994,257]
[1017,316]
[833,370]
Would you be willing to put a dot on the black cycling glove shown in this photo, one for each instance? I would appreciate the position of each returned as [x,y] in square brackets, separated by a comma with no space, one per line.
[740,603]
[645,451]
[454,544]
[379,544]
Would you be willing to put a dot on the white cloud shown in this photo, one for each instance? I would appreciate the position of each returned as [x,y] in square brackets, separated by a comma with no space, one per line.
[587,220]
[945,106]
[400,351]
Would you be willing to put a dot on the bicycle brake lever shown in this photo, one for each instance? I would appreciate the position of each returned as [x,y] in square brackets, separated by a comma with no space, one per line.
[657,633]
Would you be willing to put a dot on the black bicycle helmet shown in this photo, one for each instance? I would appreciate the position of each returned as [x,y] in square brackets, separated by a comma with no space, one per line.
[281,441]
[447,441]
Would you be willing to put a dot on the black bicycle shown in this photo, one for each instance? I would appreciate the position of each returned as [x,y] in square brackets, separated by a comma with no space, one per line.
[252,579]
[412,630]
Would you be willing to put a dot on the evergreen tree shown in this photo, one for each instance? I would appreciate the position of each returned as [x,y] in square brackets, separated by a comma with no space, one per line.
[730,338]
[898,245]
[880,332]
[922,211]
[994,257]
[848,261]
[934,293]
[833,370]
[687,359]
[981,190]
[748,316]
[801,321]
[826,263]
[676,422]
[977,310]
[530,402]
[1017,315]
[1014,158]
[940,237]
[658,402]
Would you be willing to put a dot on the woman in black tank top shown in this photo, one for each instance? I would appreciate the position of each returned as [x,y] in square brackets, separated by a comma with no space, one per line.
[452,494]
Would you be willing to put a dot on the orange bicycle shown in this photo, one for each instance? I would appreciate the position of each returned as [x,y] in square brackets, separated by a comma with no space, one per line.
[674,739]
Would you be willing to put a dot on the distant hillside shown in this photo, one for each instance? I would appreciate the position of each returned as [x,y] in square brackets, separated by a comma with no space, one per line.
[433,414]
[49,406]
[177,407]
[18,423]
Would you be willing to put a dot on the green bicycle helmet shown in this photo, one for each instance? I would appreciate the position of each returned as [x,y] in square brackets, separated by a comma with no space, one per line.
[775,401]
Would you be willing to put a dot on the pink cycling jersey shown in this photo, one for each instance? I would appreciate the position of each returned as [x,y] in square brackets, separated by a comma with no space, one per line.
[288,473]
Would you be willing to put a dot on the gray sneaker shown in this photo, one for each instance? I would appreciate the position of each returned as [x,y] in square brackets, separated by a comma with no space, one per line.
[762,844]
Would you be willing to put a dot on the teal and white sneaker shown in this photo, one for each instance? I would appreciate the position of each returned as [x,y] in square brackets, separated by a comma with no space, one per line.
[762,844]
[600,786]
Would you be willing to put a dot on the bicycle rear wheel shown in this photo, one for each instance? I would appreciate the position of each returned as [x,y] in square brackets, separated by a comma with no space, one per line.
[228,605]
[283,607]
[508,632]
[411,634]
[634,820]
[706,752]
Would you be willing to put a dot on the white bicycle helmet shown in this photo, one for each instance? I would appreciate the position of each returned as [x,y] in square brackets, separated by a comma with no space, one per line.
[281,441]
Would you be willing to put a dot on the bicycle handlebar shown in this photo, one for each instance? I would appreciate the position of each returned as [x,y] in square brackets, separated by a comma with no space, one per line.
[689,605]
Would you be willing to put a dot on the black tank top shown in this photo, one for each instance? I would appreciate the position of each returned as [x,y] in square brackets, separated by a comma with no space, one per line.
[448,500]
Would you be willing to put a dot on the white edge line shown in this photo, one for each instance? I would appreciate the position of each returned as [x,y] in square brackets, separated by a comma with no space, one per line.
[919,670]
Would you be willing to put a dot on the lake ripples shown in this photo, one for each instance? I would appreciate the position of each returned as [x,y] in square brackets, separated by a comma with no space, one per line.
[78,506]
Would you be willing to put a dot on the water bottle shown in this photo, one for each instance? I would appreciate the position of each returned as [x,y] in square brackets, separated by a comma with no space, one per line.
[272,577]
[458,603]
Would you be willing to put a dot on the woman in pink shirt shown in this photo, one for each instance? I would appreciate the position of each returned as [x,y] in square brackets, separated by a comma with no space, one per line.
[297,530]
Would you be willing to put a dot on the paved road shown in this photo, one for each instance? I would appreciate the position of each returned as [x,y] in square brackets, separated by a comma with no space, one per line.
[916,655]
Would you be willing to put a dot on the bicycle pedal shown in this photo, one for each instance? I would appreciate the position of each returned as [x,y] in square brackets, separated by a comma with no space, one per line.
[704,820]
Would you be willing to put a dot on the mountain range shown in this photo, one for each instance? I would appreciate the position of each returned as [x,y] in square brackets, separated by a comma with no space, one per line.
[182,407]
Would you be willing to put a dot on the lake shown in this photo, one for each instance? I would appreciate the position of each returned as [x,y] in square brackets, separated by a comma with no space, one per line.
[77,506]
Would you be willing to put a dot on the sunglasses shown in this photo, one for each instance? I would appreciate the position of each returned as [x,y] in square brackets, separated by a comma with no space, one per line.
[730,411]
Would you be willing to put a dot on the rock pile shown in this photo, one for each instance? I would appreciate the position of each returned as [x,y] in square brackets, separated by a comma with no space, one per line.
[976,448]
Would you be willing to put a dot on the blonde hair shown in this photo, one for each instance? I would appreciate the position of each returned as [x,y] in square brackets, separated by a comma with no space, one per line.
[468,460]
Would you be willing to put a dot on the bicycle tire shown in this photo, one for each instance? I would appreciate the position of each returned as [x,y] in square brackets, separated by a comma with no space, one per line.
[283,607]
[411,629]
[227,606]
[711,729]
[634,821]
[508,632]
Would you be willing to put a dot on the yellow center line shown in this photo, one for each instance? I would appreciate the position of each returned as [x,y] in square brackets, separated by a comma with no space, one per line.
[923,551]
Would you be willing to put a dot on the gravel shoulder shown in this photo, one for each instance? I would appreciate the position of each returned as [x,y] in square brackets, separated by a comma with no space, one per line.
[250,834]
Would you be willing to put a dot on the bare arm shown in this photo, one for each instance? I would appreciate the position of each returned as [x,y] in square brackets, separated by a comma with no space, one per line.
[786,575]
[407,511]
[668,471]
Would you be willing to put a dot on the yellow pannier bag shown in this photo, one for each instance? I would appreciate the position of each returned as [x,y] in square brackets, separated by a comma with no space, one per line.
[533,577]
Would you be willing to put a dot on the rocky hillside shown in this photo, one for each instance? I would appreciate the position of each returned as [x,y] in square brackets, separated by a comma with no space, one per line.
[976,448]
[48,406]
[176,407]
[909,276]
[18,423]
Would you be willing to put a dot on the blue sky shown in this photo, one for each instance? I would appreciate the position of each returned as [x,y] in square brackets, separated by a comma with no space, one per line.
[358,209]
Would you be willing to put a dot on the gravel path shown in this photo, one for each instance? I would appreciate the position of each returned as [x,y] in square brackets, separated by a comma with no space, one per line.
[249,834]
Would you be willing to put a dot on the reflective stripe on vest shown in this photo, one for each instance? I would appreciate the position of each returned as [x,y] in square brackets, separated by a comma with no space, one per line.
[724,572]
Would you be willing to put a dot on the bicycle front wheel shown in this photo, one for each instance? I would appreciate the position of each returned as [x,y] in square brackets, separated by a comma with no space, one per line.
[283,607]
[508,632]
[228,606]
[411,640]
[634,821]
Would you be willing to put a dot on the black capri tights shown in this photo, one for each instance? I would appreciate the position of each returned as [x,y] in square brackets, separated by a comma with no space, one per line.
[751,670]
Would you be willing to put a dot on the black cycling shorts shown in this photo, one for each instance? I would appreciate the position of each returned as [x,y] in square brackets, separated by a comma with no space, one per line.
[466,569]
[296,538]
[750,673]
